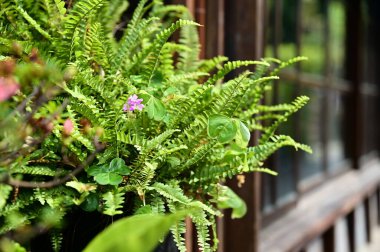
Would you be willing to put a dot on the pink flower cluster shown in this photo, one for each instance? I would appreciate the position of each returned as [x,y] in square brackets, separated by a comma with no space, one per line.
[133,103]
[8,87]
[68,127]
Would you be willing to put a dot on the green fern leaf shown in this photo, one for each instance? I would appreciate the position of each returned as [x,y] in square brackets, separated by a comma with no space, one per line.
[32,22]
[230,66]
[113,202]
[72,23]
[157,45]
[5,191]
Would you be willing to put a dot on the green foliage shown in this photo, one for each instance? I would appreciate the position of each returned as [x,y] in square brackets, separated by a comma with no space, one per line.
[226,198]
[138,233]
[113,202]
[132,124]
[110,174]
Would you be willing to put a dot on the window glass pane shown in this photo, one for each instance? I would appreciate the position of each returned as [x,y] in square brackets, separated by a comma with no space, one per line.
[281,29]
[286,184]
[312,40]
[335,143]
[336,14]
[310,122]
[267,192]
[287,47]
[370,126]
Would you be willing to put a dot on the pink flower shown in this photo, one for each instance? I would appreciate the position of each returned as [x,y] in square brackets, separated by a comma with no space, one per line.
[68,127]
[8,87]
[133,103]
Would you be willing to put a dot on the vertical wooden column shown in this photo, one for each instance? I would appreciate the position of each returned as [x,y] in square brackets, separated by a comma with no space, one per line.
[214,28]
[329,240]
[367,209]
[353,61]
[214,46]
[351,231]
[244,21]
[200,17]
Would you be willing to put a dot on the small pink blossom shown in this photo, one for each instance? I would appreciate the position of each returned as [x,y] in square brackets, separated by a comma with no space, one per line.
[133,103]
[68,127]
[8,87]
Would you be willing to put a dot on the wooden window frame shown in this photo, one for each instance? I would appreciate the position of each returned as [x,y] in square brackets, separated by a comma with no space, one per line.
[241,36]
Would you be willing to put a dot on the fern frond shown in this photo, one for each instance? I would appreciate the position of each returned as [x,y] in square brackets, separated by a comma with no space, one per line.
[259,153]
[97,47]
[203,233]
[169,192]
[5,191]
[32,22]
[60,6]
[210,64]
[76,134]
[85,101]
[129,42]
[77,16]
[158,140]
[35,170]
[188,61]
[230,66]
[56,240]
[158,205]
[287,63]
[178,230]
[297,104]
[178,78]
[172,9]
[179,108]
[198,154]
[157,45]
[113,202]
[111,14]
[263,170]
[142,176]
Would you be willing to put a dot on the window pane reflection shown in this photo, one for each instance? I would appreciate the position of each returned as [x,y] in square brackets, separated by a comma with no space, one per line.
[335,144]
[370,127]
[286,184]
[337,17]
[310,126]
[312,40]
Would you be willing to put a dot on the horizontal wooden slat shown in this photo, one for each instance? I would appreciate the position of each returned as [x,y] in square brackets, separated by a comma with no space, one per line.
[318,210]
[316,81]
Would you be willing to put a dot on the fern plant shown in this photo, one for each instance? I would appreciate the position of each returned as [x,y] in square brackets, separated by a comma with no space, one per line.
[95,120]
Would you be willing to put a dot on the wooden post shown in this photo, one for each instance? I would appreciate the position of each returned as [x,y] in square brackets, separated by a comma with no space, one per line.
[354,59]
[244,40]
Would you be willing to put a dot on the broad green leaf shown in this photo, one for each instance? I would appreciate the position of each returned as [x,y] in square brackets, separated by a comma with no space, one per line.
[222,128]
[139,233]
[156,109]
[118,166]
[147,209]
[243,135]
[91,203]
[108,178]
[81,187]
[109,174]
[229,199]
[94,170]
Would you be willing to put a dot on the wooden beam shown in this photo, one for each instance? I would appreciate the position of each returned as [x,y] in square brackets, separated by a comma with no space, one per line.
[319,209]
